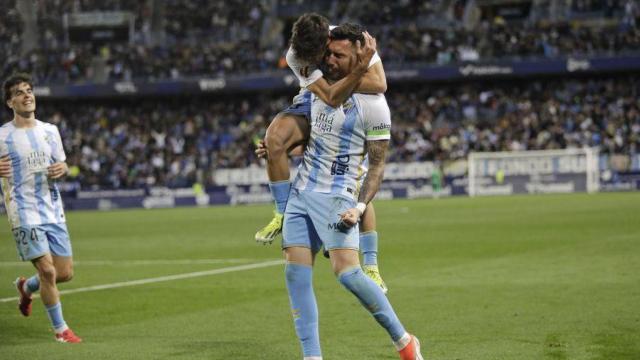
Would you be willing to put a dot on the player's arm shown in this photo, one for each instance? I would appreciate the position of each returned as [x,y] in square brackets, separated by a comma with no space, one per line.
[377,153]
[5,166]
[261,150]
[57,170]
[374,81]
[337,93]
[297,150]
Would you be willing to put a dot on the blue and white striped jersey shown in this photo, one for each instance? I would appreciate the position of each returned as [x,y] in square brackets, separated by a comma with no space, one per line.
[334,159]
[29,196]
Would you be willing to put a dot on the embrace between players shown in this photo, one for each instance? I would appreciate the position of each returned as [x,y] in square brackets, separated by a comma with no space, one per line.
[341,118]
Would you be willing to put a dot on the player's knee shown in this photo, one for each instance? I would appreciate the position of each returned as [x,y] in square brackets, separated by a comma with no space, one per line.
[64,275]
[275,144]
[47,273]
[350,278]
[341,262]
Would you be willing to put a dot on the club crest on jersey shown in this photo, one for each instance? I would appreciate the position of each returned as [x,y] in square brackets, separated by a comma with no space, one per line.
[348,105]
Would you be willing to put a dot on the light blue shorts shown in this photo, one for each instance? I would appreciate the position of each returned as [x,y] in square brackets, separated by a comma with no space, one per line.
[34,241]
[301,105]
[311,220]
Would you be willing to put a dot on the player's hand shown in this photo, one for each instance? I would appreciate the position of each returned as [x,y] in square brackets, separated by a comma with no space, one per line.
[364,52]
[5,166]
[261,150]
[57,170]
[350,217]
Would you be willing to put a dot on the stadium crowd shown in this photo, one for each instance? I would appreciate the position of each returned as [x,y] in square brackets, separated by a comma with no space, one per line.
[176,142]
[211,38]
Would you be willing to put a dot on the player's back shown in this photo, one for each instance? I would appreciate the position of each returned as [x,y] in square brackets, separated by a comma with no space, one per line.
[30,198]
[334,158]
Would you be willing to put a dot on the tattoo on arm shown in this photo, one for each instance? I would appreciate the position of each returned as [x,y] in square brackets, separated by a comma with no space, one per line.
[377,151]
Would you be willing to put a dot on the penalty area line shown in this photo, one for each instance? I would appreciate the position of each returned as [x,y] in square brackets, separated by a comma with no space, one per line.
[163,278]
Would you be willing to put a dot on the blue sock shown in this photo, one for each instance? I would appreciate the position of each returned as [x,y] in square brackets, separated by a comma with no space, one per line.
[303,307]
[280,193]
[369,247]
[33,284]
[55,315]
[372,298]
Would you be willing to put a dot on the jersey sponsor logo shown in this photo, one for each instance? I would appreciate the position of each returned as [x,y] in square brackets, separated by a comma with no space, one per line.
[381,127]
[338,227]
[323,123]
[341,165]
[37,161]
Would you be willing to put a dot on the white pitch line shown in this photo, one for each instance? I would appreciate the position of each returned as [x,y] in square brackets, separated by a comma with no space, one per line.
[164,278]
[139,262]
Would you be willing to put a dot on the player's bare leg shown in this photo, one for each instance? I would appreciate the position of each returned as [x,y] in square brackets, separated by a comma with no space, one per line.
[48,275]
[285,132]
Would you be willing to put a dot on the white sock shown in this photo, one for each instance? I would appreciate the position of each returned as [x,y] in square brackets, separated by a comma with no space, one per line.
[402,342]
[312,358]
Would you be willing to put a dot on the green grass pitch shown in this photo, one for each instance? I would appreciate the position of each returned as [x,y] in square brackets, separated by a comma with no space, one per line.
[525,277]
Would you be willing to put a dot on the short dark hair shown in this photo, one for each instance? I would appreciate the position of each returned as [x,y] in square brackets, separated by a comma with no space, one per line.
[309,36]
[348,31]
[12,81]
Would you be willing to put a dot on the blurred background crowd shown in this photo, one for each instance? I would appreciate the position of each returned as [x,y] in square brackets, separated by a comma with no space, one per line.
[182,39]
[159,141]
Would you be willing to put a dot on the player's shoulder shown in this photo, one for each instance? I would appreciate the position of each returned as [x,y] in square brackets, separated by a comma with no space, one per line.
[46,126]
[6,129]
[7,126]
[373,102]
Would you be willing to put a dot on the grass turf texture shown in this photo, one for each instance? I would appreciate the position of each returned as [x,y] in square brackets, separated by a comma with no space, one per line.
[526,277]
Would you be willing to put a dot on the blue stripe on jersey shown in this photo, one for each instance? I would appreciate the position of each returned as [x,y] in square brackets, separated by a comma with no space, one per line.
[351,116]
[53,190]
[315,164]
[39,179]
[17,179]
[52,143]
[307,101]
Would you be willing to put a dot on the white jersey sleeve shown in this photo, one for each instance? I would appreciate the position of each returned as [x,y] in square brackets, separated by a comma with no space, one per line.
[376,116]
[57,149]
[306,73]
[374,59]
